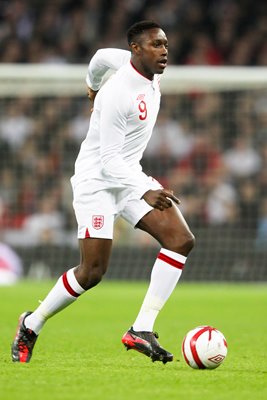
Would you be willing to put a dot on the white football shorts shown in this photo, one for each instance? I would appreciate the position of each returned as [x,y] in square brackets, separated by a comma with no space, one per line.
[96,211]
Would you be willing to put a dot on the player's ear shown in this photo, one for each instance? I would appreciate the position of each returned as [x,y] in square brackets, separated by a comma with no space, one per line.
[135,48]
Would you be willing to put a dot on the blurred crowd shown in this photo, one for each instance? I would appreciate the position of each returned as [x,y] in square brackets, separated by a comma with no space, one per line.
[210,148]
[213,32]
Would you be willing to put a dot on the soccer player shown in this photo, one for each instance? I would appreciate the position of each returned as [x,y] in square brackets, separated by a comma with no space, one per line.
[108,182]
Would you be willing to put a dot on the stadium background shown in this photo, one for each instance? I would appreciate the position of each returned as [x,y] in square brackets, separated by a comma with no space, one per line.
[210,148]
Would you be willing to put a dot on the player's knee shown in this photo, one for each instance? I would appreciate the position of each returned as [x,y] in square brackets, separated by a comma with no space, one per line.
[182,244]
[93,280]
[189,242]
[89,275]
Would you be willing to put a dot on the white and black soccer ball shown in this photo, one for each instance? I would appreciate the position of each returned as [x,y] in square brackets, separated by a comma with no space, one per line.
[204,348]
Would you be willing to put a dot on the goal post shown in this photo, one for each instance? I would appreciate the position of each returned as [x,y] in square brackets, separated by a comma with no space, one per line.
[209,145]
[67,79]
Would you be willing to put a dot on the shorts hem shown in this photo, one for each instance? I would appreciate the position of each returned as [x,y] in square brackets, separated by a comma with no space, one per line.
[95,236]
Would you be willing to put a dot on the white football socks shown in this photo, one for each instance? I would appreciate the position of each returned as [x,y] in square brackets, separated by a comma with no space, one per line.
[164,277]
[65,292]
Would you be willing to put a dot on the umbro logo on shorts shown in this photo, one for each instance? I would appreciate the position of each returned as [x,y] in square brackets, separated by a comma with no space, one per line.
[98,221]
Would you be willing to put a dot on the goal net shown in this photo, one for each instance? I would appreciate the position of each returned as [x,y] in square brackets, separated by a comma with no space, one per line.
[209,146]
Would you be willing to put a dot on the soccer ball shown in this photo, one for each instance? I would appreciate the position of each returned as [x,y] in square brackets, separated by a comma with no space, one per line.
[204,348]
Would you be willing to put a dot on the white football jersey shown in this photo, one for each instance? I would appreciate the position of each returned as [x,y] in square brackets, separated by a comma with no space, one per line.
[125,112]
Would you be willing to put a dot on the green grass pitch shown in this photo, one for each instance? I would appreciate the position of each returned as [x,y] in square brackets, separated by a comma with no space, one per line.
[79,354]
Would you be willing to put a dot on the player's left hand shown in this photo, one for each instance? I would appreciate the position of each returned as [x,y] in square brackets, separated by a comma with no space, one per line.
[160,199]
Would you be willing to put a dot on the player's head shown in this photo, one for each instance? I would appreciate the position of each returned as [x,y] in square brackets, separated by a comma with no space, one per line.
[137,29]
[149,47]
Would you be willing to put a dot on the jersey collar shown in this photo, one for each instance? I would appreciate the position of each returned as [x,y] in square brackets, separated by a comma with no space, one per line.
[144,79]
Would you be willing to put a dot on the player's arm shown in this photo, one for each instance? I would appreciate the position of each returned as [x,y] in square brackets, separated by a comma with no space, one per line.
[115,108]
[113,122]
[101,62]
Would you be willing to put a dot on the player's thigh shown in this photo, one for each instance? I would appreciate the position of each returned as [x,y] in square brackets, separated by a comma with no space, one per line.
[95,253]
[169,228]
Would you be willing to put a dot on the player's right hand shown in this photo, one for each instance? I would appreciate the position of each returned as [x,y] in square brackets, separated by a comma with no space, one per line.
[91,95]
[160,199]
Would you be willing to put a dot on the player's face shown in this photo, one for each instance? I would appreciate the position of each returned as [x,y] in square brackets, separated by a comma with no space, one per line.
[151,52]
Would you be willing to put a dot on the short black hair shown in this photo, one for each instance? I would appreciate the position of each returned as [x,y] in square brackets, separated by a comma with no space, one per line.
[138,28]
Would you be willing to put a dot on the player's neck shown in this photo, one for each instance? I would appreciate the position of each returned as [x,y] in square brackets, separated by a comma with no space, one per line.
[139,68]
